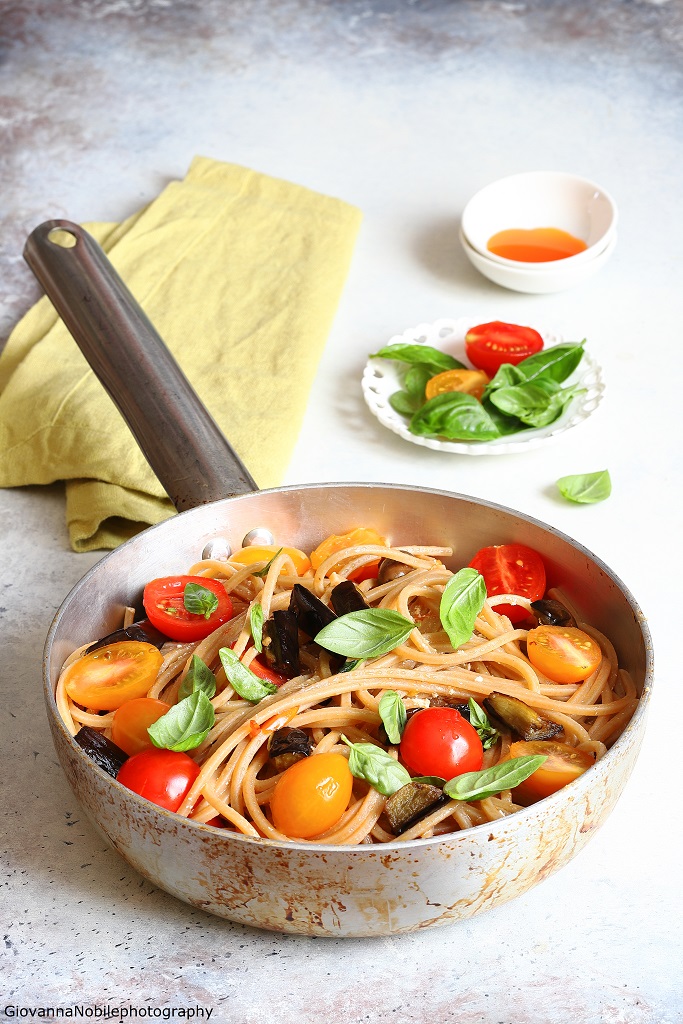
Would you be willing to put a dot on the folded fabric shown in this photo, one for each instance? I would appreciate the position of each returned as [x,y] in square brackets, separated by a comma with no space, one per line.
[241,274]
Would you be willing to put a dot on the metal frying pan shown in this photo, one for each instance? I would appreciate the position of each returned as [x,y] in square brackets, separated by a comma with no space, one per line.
[297,887]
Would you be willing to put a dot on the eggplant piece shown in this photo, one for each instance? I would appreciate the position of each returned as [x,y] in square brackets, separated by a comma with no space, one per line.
[445,702]
[409,804]
[346,597]
[311,614]
[390,569]
[551,613]
[103,752]
[142,631]
[281,643]
[287,746]
[524,721]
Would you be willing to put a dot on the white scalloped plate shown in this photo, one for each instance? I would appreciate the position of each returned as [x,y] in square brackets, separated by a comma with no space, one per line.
[382,377]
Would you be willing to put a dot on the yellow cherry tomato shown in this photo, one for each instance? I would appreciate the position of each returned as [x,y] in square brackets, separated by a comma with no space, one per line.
[133,719]
[564,764]
[311,796]
[337,542]
[564,654]
[108,677]
[469,382]
[264,553]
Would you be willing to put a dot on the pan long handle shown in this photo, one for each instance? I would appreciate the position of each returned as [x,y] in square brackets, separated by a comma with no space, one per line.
[180,440]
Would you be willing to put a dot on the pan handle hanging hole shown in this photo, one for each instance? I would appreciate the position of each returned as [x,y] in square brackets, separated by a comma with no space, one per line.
[258,536]
[218,549]
[63,238]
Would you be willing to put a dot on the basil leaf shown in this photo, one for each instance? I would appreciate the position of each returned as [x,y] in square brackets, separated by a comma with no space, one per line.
[555,407]
[368,633]
[586,488]
[506,376]
[554,363]
[461,602]
[243,681]
[430,780]
[377,767]
[406,352]
[456,416]
[186,725]
[404,404]
[507,775]
[199,677]
[480,721]
[264,571]
[393,713]
[503,423]
[199,600]
[256,619]
[415,381]
[349,666]
[537,404]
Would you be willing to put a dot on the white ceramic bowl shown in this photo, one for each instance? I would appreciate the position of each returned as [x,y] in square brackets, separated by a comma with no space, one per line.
[541,199]
[526,277]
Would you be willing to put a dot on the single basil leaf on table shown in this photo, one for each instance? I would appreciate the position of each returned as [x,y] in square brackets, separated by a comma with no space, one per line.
[376,767]
[407,352]
[264,571]
[199,677]
[506,775]
[393,713]
[199,600]
[480,721]
[404,404]
[586,488]
[243,681]
[256,619]
[369,633]
[415,381]
[455,416]
[554,363]
[186,725]
[461,602]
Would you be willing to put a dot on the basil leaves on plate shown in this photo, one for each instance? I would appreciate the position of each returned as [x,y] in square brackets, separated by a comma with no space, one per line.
[586,488]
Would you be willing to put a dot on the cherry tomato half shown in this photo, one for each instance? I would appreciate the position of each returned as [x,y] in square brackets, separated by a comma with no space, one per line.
[488,346]
[164,604]
[108,677]
[439,741]
[264,553]
[564,654]
[337,542]
[564,764]
[311,796]
[133,719]
[511,569]
[469,382]
[162,776]
[263,672]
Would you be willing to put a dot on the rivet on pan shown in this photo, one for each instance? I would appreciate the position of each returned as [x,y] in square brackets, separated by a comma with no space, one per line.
[218,548]
[258,536]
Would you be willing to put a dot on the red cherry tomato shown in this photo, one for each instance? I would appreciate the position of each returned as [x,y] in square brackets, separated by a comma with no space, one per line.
[439,741]
[511,569]
[263,672]
[311,796]
[109,676]
[164,604]
[162,776]
[488,346]
[133,719]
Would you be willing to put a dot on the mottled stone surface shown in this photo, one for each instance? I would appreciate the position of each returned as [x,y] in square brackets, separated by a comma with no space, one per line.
[404,109]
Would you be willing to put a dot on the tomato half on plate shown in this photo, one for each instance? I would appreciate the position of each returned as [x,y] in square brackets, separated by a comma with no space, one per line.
[488,346]
[162,776]
[109,676]
[165,606]
[511,569]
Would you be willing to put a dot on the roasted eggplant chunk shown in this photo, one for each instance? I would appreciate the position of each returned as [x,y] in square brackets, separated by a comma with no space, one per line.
[411,803]
[524,721]
[346,597]
[287,746]
[451,702]
[551,613]
[103,752]
[281,643]
[142,631]
[311,614]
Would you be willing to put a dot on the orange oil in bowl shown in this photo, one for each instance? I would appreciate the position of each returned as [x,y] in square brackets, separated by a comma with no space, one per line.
[535,245]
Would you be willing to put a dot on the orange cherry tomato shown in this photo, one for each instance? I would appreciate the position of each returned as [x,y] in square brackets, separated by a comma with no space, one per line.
[133,719]
[264,553]
[337,542]
[564,654]
[311,796]
[469,382]
[564,764]
[108,677]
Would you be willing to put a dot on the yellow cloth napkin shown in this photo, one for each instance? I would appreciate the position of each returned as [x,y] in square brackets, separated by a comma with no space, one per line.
[241,274]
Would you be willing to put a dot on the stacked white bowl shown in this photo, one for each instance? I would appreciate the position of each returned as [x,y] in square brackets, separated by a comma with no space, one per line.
[540,199]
